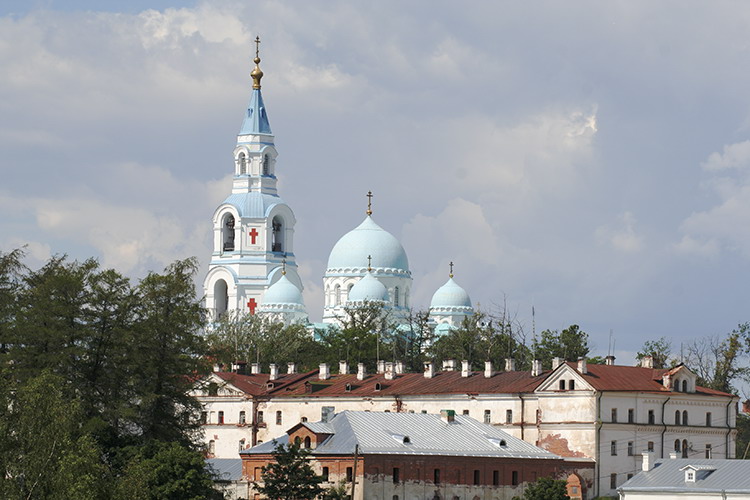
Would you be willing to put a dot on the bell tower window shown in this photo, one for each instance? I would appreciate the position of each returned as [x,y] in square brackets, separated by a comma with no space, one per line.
[266,170]
[221,298]
[337,297]
[227,233]
[242,160]
[277,242]
[396,296]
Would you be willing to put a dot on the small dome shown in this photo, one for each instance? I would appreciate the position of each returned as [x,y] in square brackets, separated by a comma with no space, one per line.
[451,296]
[368,239]
[283,292]
[369,288]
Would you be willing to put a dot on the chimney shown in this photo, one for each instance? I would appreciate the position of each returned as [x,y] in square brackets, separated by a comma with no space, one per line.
[429,370]
[510,365]
[324,373]
[390,373]
[255,368]
[582,366]
[381,366]
[291,368]
[536,367]
[449,365]
[399,367]
[488,369]
[647,362]
[343,368]
[556,362]
[448,416]
[217,367]
[465,368]
[274,371]
[648,461]
[609,360]
[361,372]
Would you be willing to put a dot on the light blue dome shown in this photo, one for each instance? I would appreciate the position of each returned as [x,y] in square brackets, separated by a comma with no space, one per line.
[368,238]
[283,292]
[450,295]
[370,289]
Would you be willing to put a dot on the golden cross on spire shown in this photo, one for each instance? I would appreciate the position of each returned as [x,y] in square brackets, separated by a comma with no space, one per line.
[283,267]
[450,275]
[369,203]
[257,74]
[369,263]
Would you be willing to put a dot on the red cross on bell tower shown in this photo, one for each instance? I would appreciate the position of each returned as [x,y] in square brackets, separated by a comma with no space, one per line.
[252,305]
[253,234]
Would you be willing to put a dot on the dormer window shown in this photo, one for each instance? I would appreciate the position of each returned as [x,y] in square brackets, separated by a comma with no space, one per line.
[348,387]
[378,386]
[690,476]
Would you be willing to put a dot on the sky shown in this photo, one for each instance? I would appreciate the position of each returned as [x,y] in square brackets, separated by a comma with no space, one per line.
[587,159]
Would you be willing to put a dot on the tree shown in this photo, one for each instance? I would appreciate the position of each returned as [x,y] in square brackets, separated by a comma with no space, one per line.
[290,476]
[660,350]
[570,344]
[545,488]
[718,361]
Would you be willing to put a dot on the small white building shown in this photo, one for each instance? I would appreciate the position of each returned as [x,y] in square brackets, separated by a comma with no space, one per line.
[689,479]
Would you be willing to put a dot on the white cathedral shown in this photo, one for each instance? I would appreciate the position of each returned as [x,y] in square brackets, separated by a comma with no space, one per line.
[253,267]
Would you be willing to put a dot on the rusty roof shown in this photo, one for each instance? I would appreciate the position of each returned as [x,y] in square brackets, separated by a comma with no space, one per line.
[256,384]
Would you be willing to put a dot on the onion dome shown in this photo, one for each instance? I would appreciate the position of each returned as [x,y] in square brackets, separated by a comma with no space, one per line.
[282,295]
[369,289]
[451,298]
[369,239]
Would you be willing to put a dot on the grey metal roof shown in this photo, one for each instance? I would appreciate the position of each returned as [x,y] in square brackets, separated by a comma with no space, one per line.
[227,469]
[385,433]
[730,476]
[320,427]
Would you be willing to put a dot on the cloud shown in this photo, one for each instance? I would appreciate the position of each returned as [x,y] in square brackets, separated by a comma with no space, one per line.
[623,238]
[733,156]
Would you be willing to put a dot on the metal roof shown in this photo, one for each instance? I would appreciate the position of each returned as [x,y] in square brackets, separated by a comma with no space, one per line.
[717,475]
[415,434]
[227,469]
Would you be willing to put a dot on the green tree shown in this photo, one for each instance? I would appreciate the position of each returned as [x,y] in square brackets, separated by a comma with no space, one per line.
[720,361]
[545,488]
[743,436]
[660,351]
[570,344]
[290,476]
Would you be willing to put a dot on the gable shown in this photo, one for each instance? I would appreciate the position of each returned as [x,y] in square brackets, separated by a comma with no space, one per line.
[564,374]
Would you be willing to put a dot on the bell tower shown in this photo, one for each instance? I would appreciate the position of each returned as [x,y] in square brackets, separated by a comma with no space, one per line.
[253,227]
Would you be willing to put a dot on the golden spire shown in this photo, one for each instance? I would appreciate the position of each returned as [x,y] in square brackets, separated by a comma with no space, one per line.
[450,275]
[257,74]
[369,203]
[283,267]
[369,263]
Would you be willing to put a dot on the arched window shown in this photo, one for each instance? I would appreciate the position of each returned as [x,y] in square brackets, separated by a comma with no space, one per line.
[349,290]
[242,160]
[337,295]
[298,439]
[308,442]
[562,385]
[242,444]
[396,297]
[266,170]
[211,447]
[684,417]
[684,448]
[677,445]
[227,233]
[221,298]
[708,419]
[328,295]
[277,239]
[684,386]
[677,386]
[677,417]
[406,298]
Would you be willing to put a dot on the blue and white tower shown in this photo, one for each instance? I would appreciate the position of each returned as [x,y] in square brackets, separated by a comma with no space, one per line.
[253,227]
[449,306]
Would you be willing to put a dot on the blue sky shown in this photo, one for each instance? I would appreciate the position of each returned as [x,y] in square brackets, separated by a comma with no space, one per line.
[589,159]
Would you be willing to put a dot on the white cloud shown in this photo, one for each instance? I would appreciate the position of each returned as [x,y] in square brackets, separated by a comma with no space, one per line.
[733,156]
[623,238]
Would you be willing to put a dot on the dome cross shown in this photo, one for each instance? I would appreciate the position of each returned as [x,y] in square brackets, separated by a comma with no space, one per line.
[369,263]
[257,74]
[450,275]
[369,203]
[283,267]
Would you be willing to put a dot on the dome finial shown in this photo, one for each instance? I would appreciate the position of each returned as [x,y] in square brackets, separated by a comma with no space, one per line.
[283,267]
[369,203]
[450,275]
[257,74]
[369,263]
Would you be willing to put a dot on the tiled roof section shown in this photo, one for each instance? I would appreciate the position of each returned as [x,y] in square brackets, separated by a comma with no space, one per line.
[257,384]
[418,434]
[632,378]
[447,382]
[668,477]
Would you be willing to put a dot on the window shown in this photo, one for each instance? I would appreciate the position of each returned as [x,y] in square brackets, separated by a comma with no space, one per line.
[690,476]
[337,295]
[396,296]
[684,417]
[613,481]
[562,385]
[677,417]
[684,386]
[436,476]
[243,163]
[571,385]
[684,448]
[708,451]
[260,417]
[211,447]
[396,475]
[213,387]
[650,446]
[265,165]
[277,237]
[395,497]
[221,417]
[466,412]
[349,474]
[613,448]
[630,448]
[487,416]
[258,474]
[708,419]
[278,417]
[539,415]
[242,417]
[424,411]
[308,443]
[651,418]
[495,478]
[630,476]
[325,474]
[614,415]
[514,478]
[677,386]
[204,417]
[677,445]
[242,444]
[631,415]
[508,416]
[477,477]
[378,386]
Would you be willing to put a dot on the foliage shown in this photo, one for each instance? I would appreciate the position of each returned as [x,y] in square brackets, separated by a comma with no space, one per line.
[719,361]
[570,344]
[742,448]
[290,476]
[338,491]
[545,488]
[660,350]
